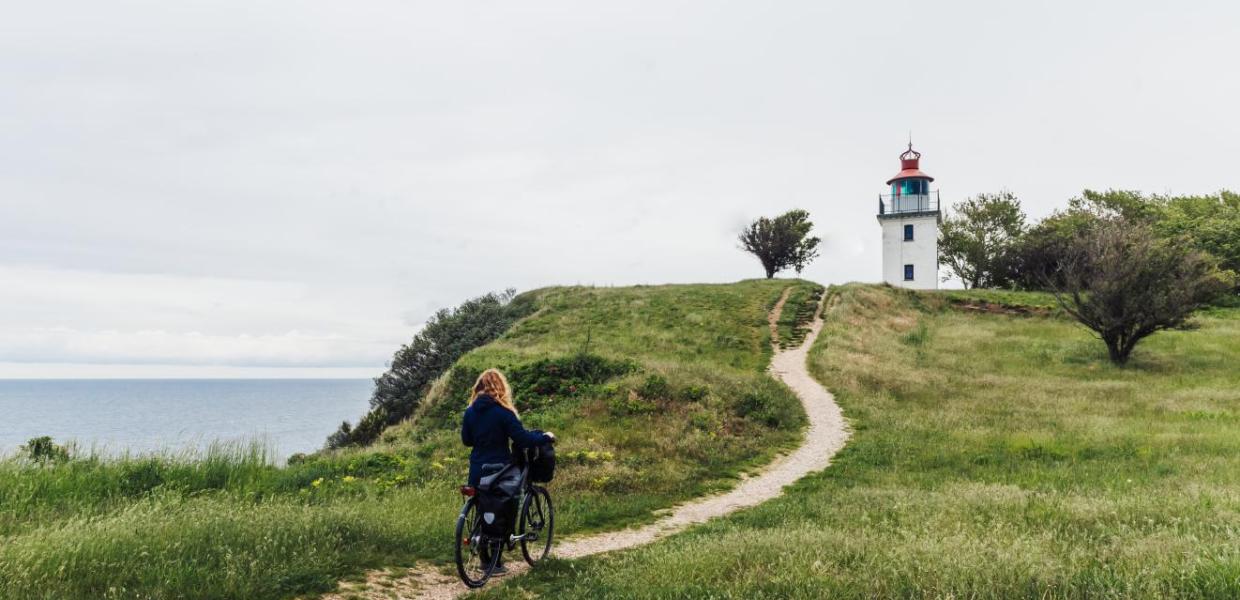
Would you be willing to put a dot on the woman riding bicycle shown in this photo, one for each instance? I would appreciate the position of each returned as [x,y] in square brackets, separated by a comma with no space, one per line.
[489,423]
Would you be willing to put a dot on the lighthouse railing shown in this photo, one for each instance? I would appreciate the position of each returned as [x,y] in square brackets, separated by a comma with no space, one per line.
[889,204]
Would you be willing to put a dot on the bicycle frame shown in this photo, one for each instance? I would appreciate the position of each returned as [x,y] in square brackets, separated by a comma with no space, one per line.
[526,486]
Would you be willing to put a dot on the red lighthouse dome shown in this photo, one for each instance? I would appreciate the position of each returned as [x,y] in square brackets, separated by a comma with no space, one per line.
[909,166]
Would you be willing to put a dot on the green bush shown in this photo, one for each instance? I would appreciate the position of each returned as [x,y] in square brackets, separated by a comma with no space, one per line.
[655,387]
[533,383]
[765,402]
[694,393]
[43,450]
[630,403]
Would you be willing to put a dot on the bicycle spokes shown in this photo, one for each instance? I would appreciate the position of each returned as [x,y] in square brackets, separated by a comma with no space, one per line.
[476,554]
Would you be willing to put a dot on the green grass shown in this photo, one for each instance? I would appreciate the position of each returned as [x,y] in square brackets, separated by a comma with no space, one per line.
[992,457]
[798,314]
[697,411]
[693,412]
[1003,300]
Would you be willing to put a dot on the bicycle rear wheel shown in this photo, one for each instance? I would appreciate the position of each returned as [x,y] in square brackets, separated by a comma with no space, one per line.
[476,555]
[537,524]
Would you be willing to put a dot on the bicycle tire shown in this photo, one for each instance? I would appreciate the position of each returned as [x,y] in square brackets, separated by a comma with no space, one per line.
[468,540]
[537,517]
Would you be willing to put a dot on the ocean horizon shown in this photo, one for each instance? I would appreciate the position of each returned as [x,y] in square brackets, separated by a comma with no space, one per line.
[173,416]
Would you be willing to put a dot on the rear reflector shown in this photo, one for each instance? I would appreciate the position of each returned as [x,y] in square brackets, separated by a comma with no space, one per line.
[467,490]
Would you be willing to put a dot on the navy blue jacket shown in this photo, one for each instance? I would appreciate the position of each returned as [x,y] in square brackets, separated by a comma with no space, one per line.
[487,427]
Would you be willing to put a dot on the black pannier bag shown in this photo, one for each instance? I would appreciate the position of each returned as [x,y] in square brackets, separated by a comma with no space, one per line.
[542,463]
[498,489]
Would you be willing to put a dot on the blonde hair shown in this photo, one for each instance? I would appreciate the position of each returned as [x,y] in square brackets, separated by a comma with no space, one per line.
[493,383]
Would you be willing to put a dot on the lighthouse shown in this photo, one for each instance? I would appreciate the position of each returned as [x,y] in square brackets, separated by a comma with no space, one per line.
[910,219]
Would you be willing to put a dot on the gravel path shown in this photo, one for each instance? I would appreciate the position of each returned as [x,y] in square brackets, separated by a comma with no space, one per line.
[826,435]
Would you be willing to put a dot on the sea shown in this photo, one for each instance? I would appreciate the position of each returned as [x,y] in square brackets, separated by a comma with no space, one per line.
[178,416]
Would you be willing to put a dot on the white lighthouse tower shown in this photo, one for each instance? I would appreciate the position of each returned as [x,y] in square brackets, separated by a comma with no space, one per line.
[910,219]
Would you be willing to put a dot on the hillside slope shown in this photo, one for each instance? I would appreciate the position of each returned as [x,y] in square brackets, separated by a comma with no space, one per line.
[993,456]
[658,394]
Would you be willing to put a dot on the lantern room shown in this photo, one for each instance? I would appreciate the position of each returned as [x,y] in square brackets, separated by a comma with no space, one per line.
[910,188]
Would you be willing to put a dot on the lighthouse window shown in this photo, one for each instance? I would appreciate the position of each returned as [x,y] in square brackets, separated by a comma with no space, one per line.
[908,233]
[913,187]
[908,272]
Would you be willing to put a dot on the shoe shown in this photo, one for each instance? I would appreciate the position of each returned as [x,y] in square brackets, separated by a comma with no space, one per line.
[499,571]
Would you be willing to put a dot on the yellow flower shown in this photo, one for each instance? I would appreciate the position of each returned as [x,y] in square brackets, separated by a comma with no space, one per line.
[317,482]
[349,479]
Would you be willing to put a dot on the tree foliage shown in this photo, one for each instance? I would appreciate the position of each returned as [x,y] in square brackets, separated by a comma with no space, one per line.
[1124,282]
[448,334]
[977,242]
[1038,255]
[1208,223]
[44,450]
[782,242]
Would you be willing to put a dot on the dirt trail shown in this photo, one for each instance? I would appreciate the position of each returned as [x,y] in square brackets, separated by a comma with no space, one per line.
[826,435]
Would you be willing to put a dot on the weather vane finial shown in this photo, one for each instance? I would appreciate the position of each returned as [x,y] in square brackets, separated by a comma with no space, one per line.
[910,139]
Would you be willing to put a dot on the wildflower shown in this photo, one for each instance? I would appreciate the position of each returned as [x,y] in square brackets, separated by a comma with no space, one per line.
[349,479]
[317,482]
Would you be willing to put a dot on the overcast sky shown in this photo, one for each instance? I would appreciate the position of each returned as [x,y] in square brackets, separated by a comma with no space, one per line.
[290,189]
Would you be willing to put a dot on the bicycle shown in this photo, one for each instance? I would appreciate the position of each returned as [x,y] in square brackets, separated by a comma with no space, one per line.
[477,553]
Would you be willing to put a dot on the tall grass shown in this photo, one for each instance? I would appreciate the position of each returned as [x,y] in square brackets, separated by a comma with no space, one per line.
[695,410]
[992,457]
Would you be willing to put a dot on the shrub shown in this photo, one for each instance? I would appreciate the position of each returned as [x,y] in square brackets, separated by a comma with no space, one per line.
[655,387]
[706,420]
[564,376]
[630,404]
[43,450]
[763,402]
[694,393]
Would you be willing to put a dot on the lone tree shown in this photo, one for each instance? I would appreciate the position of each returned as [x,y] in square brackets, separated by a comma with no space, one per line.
[978,242]
[1121,280]
[781,242]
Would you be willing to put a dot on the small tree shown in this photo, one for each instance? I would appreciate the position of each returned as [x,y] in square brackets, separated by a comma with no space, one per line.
[44,451]
[977,242]
[781,242]
[1123,282]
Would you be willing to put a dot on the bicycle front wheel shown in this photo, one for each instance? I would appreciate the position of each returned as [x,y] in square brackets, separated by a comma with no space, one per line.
[537,524]
[476,555]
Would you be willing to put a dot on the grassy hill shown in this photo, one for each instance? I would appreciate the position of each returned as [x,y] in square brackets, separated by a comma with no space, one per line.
[994,456]
[657,394]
